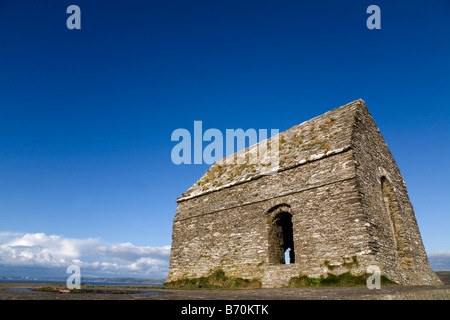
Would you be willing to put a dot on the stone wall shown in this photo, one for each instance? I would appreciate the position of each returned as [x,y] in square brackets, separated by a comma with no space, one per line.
[348,206]
[230,229]
[311,140]
[395,242]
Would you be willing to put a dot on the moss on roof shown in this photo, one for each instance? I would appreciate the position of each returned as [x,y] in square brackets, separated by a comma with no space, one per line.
[320,137]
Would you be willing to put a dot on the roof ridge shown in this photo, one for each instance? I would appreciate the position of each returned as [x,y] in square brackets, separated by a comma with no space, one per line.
[316,138]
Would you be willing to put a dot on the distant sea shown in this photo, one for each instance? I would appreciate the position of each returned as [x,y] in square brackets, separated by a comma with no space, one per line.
[125,281]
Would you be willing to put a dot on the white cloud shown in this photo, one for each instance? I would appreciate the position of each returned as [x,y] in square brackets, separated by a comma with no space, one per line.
[42,250]
[93,257]
[129,252]
[439,260]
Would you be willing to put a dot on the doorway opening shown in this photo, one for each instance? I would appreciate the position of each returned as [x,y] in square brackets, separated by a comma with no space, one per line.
[281,239]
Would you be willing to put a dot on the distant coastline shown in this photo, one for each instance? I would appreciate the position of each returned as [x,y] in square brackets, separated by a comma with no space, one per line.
[85,280]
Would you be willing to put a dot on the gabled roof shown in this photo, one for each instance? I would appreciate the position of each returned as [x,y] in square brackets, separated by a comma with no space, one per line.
[320,137]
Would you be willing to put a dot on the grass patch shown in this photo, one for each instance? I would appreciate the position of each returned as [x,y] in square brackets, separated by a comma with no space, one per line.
[444,276]
[342,280]
[216,280]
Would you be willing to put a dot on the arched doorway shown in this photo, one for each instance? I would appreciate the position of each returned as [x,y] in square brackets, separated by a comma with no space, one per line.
[281,238]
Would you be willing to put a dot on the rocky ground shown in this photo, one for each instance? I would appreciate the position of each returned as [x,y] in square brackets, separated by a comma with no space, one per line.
[21,291]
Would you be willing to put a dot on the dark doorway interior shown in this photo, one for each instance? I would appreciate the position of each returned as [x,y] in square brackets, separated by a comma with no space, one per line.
[281,238]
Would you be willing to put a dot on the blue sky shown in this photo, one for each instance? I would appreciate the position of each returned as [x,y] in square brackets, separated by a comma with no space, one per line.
[86,115]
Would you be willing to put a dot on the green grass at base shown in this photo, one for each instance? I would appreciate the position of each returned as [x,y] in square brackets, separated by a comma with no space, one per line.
[342,280]
[216,280]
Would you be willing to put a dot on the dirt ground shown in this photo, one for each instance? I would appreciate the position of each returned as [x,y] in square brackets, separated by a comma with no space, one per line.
[22,291]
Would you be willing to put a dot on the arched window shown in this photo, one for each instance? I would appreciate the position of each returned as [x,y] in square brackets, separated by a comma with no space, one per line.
[281,238]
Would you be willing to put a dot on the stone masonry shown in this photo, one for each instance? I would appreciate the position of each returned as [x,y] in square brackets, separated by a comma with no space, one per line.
[338,203]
